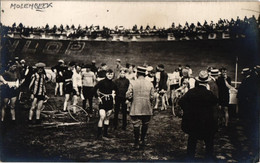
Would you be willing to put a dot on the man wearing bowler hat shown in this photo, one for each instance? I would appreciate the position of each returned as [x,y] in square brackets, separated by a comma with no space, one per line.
[199,116]
[141,92]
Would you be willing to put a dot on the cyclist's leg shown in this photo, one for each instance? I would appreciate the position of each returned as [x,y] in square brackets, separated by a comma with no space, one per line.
[106,122]
[12,107]
[124,113]
[117,108]
[65,105]
[39,108]
[34,103]
[56,88]
[61,88]
[173,96]
[164,107]
[75,102]
[102,115]
[226,115]
[4,106]
[84,92]
[156,100]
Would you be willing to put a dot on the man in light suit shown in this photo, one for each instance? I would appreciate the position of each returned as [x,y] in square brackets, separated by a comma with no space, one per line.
[141,93]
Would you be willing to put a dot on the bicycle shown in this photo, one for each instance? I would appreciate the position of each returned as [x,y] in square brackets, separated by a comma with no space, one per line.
[77,113]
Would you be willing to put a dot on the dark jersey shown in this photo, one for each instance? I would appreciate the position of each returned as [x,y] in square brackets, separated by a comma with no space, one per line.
[10,76]
[67,75]
[105,86]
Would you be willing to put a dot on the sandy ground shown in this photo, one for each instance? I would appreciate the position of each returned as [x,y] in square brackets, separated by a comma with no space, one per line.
[165,141]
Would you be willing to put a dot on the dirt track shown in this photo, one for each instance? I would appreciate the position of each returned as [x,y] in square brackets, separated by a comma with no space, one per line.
[165,141]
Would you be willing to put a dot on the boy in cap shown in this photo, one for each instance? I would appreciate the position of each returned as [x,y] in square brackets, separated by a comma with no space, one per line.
[105,89]
[122,84]
[199,119]
[38,88]
[101,74]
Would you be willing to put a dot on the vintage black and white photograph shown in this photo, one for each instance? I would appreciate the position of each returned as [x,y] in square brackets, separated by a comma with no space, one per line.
[142,81]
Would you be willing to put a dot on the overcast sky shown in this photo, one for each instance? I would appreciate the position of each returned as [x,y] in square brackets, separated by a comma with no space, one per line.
[127,14]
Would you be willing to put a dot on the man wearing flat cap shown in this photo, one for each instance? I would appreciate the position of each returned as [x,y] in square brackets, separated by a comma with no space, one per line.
[141,92]
[199,116]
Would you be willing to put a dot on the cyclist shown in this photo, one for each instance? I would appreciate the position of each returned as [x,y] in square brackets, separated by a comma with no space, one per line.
[77,85]
[105,89]
[38,88]
[88,81]
[68,89]
[58,69]
[9,92]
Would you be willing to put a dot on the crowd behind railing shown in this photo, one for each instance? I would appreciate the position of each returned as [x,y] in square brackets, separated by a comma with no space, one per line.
[239,27]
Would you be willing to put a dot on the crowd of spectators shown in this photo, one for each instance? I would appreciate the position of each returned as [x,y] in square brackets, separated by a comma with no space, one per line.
[246,26]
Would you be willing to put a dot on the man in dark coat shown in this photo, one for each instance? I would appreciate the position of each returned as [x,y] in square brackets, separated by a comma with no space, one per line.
[199,115]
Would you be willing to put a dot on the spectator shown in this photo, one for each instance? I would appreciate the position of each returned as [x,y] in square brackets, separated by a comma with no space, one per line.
[199,120]
[161,78]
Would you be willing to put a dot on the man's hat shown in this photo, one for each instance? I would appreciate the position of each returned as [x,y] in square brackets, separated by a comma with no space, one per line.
[141,70]
[161,66]
[40,65]
[22,61]
[109,71]
[16,58]
[72,63]
[257,68]
[123,69]
[185,72]
[93,61]
[203,77]
[87,66]
[149,68]
[60,61]
[245,70]
[118,60]
[103,64]
[214,72]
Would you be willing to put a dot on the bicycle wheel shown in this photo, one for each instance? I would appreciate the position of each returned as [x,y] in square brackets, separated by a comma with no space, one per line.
[47,107]
[78,114]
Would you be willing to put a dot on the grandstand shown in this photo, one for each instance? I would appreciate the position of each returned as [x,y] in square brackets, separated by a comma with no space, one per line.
[200,46]
[223,29]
